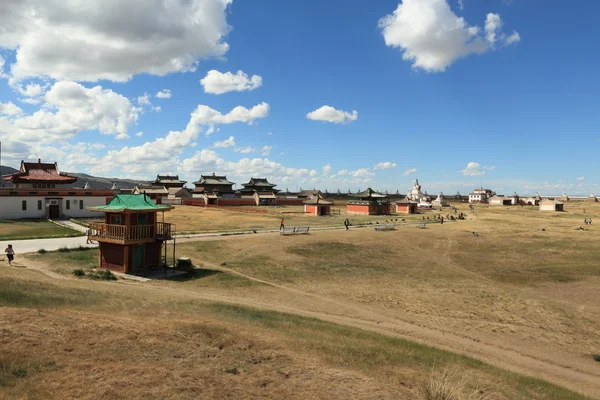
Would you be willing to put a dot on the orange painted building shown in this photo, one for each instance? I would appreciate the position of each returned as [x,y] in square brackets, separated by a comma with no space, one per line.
[317,206]
[407,207]
[369,202]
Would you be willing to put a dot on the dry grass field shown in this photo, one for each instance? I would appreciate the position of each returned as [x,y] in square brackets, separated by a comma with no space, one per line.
[325,315]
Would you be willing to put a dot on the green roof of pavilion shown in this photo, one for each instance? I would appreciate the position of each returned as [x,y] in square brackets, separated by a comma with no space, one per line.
[131,202]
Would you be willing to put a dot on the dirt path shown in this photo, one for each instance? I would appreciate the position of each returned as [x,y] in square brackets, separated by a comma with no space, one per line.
[363,317]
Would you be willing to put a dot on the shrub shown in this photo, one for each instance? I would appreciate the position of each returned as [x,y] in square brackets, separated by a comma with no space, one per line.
[78,272]
[64,250]
[596,357]
[107,275]
[447,385]
[42,251]
[19,372]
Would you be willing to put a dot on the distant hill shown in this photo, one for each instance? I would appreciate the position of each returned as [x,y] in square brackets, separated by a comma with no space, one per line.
[92,181]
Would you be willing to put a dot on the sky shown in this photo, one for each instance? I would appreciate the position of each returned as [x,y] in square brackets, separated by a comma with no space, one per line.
[336,95]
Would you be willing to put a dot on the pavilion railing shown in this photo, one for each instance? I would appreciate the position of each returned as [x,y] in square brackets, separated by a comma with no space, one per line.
[99,231]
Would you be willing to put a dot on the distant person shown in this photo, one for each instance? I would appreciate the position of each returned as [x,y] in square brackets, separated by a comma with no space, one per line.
[10,254]
[87,239]
[442,220]
[281,225]
[590,221]
[585,221]
[347,223]
[475,234]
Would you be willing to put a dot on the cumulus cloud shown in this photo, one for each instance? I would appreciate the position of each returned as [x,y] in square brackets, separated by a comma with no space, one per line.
[327,169]
[245,150]
[513,38]
[122,136]
[330,114]
[410,171]
[10,109]
[581,178]
[139,134]
[164,94]
[266,150]
[385,165]
[144,100]
[71,108]
[216,82]
[111,40]
[161,152]
[432,37]
[361,172]
[225,143]
[475,169]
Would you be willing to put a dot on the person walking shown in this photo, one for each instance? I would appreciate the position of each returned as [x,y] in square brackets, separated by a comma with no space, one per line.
[442,220]
[347,223]
[10,254]
[281,225]
[87,239]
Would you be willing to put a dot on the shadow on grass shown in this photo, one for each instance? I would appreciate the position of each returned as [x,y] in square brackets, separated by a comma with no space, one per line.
[195,274]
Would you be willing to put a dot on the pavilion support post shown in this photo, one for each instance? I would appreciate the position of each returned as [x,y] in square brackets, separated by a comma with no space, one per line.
[126,259]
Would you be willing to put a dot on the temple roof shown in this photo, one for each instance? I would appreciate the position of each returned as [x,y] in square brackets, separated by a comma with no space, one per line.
[213,180]
[31,172]
[370,193]
[169,179]
[150,189]
[131,202]
[259,182]
[317,200]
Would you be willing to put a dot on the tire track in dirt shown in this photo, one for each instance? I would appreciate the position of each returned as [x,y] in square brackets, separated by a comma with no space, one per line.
[503,357]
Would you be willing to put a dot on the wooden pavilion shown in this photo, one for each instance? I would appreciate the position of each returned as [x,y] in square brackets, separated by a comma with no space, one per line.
[131,239]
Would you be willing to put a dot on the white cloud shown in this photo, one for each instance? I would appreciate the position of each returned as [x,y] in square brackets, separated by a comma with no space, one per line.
[159,154]
[216,82]
[164,94]
[385,165]
[71,108]
[493,24]
[461,4]
[581,178]
[475,169]
[343,172]
[225,143]
[410,171]
[144,100]
[139,134]
[245,150]
[211,117]
[156,109]
[77,41]
[10,109]
[513,38]
[266,150]
[432,37]
[327,169]
[361,172]
[31,101]
[122,136]
[330,114]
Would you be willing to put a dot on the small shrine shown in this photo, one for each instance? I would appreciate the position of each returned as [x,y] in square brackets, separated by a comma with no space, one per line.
[440,201]
[318,206]
[131,239]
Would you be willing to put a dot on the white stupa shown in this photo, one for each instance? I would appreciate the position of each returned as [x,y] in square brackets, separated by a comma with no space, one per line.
[440,202]
[423,199]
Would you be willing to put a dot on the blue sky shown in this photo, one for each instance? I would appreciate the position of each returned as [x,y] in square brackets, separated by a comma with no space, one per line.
[497,93]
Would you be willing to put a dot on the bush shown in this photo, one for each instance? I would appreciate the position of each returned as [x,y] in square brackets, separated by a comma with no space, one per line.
[596,357]
[107,275]
[78,272]
[64,250]
[42,251]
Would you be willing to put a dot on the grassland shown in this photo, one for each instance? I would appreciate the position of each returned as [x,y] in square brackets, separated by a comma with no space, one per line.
[33,229]
[335,314]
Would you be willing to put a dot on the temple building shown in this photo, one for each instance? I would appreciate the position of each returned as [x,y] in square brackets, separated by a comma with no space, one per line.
[258,185]
[41,191]
[480,195]
[131,239]
[318,206]
[369,202]
[156,193]
[551,205]
[407,206]
[217,185]
[168,181]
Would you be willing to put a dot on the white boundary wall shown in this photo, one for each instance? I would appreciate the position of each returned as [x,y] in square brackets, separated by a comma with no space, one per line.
[11,207]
